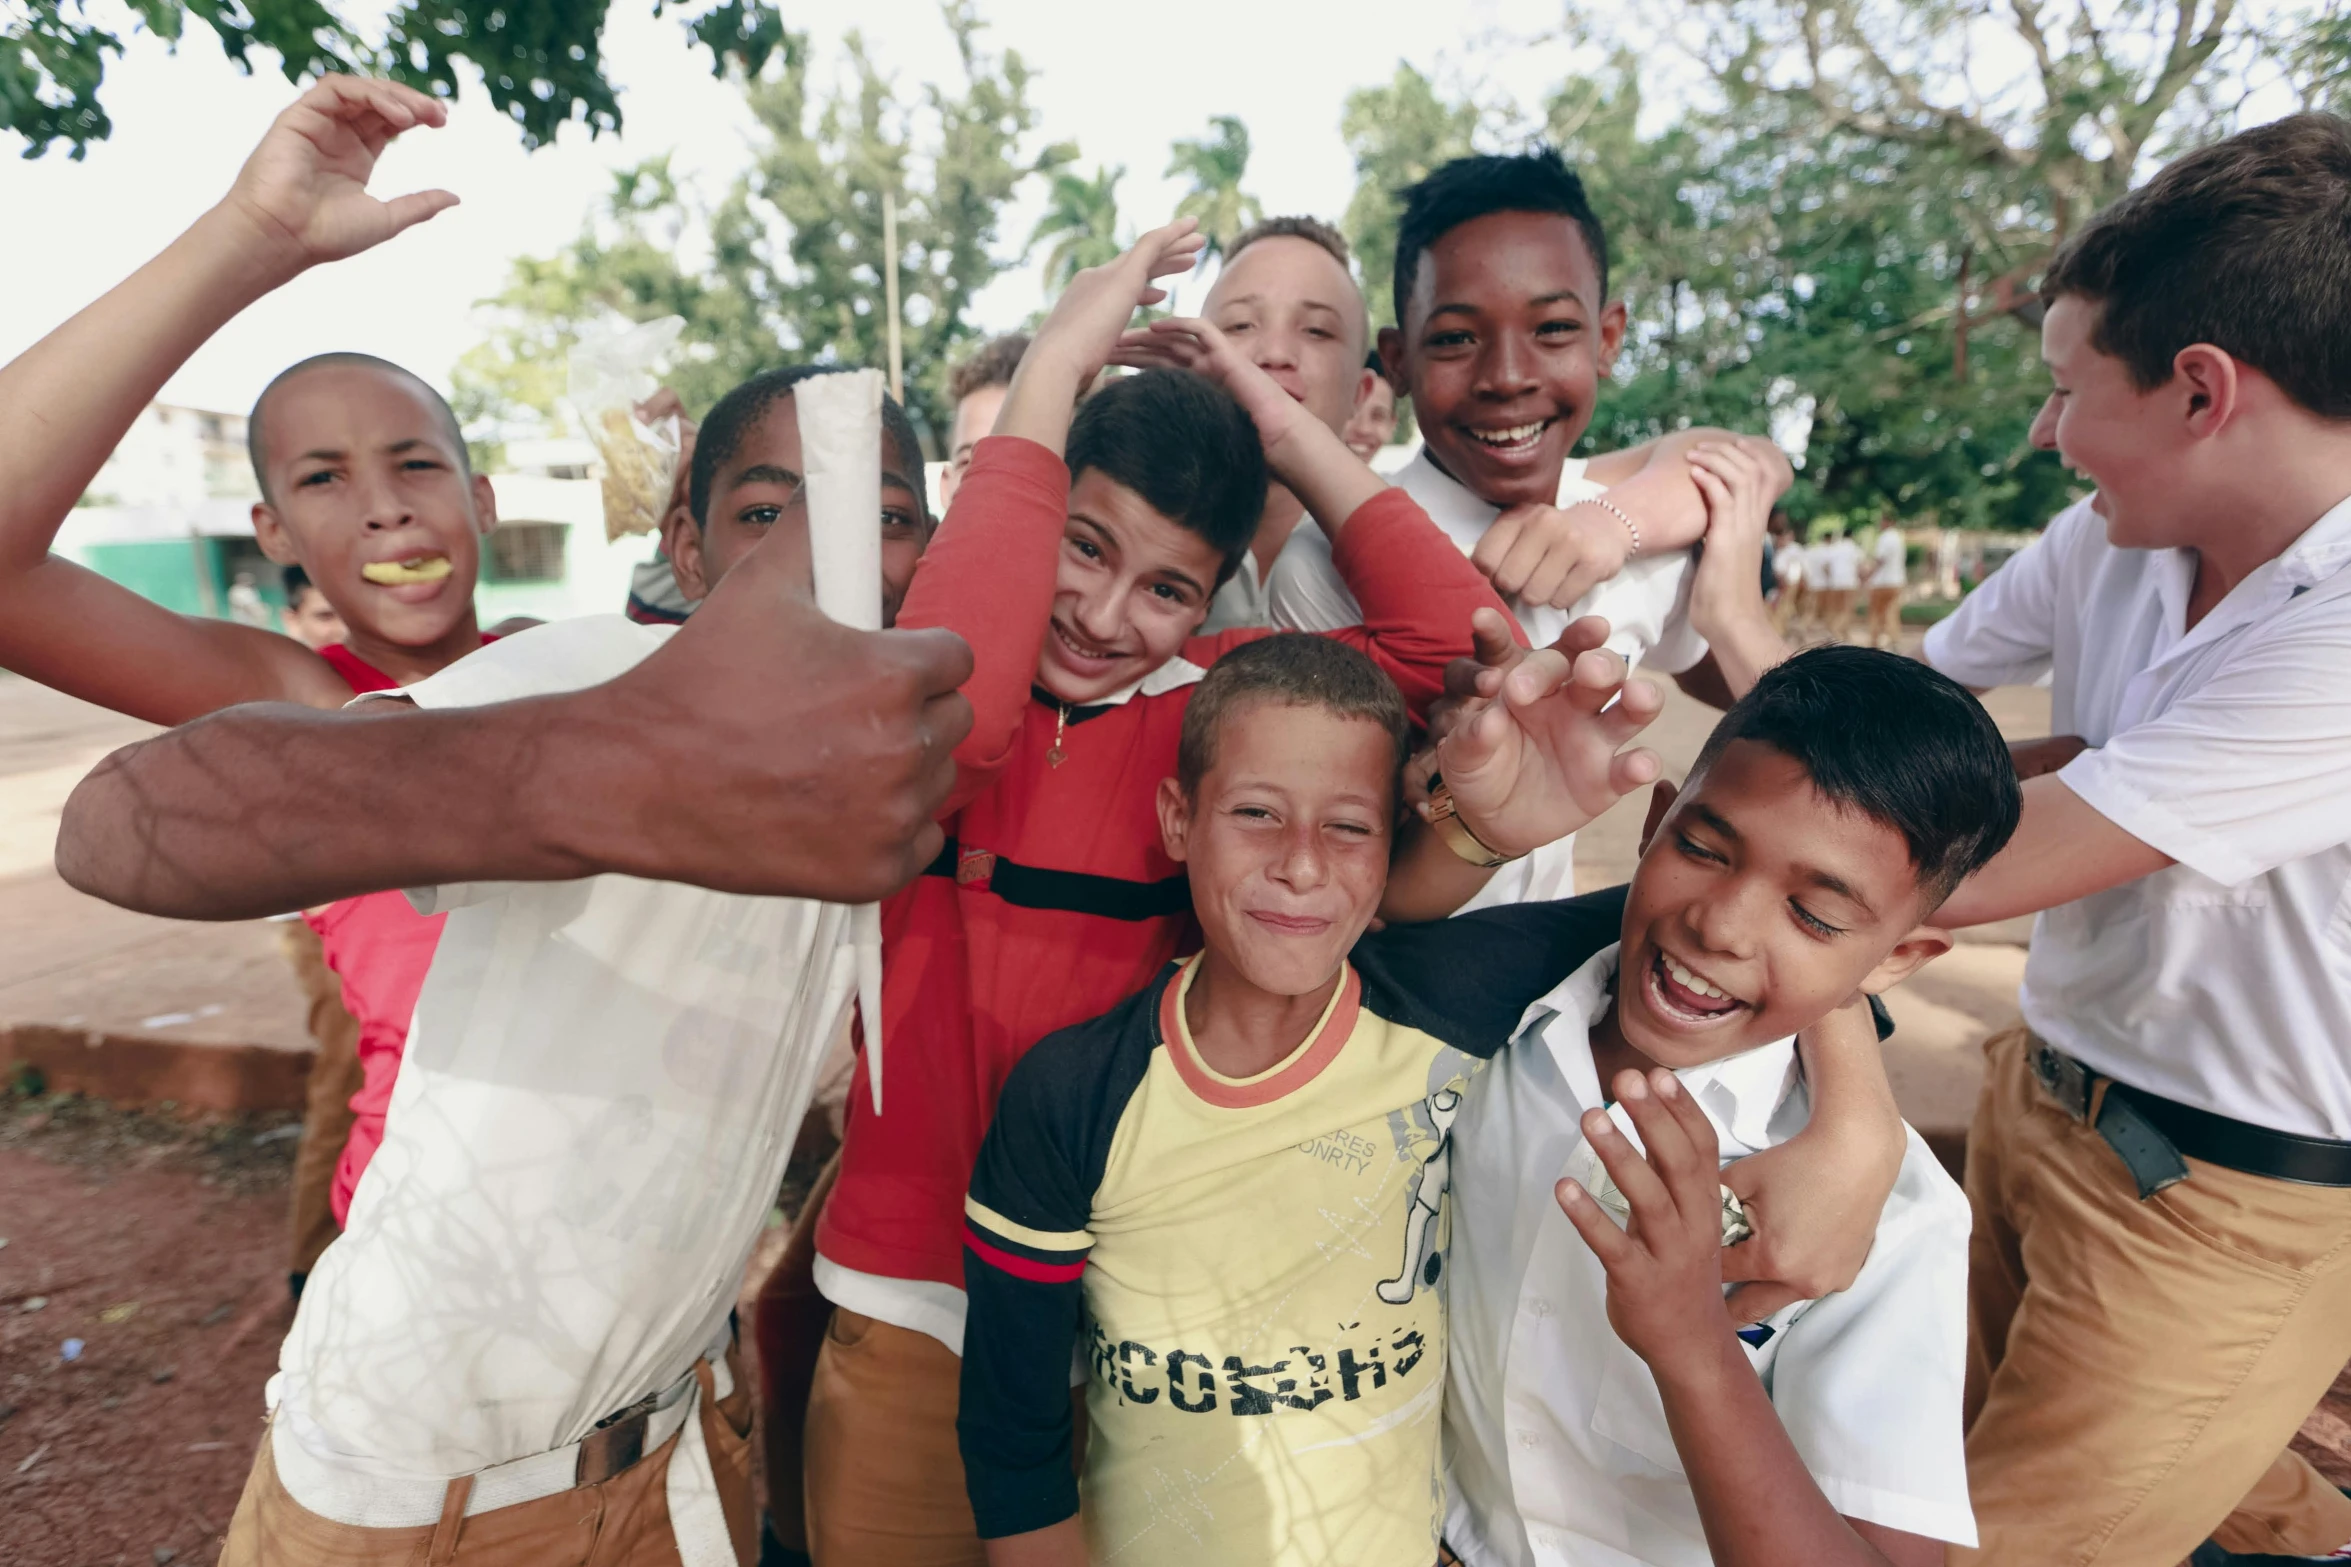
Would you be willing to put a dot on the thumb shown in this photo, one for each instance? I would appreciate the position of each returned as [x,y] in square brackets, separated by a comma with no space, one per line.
[408,211]
[1490,638]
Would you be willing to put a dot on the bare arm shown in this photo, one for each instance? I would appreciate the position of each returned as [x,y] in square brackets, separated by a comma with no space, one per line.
[2064,849]
[696,766]
[301,199]
[1057,1545]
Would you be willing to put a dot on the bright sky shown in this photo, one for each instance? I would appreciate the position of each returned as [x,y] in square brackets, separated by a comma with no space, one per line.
[1122,89]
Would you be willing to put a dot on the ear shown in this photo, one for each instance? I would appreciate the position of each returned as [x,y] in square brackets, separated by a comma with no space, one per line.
[1364,385]
[681,541]
[1915,951]
[1392,361]
[1661,798]
[1175,819]
[1612,330]
[485,505]
[270,533]
[2210,377]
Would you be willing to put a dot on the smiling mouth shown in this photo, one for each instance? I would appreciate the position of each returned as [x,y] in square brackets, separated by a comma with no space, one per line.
[1291,924]
[1516,441]
[1082,650]
[1684,996]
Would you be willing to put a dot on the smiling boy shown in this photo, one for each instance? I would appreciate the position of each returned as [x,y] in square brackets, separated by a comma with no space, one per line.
[1505,329]
[1801,862]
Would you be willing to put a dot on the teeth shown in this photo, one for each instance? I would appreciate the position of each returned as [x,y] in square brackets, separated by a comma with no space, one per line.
[1513,437]
[1683,976]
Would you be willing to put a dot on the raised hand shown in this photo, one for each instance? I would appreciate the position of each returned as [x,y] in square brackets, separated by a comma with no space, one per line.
[303,192]
[1084,328]
[1665,1266]
[1541,757]
[1183,343]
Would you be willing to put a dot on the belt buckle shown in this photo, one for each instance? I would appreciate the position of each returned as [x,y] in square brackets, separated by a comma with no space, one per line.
[2063,1079]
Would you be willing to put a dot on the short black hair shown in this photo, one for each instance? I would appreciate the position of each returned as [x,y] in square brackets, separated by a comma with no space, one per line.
[256,449]
[1292,669]
[1900,743]
[2246,245]
[1466,189]
[297,584]
[721,435]
[1186,447]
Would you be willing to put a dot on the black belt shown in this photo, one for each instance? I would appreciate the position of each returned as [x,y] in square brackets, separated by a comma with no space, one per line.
[2155,1136]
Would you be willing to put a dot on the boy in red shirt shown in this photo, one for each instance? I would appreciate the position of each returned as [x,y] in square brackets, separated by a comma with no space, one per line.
[365,485]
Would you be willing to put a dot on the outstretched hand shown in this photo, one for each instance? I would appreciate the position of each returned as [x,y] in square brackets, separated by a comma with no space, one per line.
[1184,343]
[1665,1267]
[1536,752]
[1083,331]
[304,190]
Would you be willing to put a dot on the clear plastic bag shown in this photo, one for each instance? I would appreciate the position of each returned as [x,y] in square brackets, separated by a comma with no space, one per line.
[610,373]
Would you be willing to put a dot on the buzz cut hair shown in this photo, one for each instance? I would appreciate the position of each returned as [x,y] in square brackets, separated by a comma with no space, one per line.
[256,443]
[1313,230]
[1289,669]
[992,365]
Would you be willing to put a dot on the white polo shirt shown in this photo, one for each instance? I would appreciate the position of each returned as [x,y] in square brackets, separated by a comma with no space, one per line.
[599,1095]
[2223,982]
[1840,564]
[1647,605]
[1557,1453]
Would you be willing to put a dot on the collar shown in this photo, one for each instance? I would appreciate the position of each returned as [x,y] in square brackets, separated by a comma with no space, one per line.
[1740,1093]
[1449,502]
[1174,675]
[2318,553]
[2323,549]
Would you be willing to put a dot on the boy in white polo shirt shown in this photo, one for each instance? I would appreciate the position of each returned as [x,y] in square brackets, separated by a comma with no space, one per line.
[1504,331]
[1801,862]
[2161,1160]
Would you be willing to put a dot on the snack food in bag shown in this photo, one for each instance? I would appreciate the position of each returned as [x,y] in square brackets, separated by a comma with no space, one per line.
[611,372]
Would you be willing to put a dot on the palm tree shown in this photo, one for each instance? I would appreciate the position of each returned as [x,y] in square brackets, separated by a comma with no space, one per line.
[1215,164]
[1081,219]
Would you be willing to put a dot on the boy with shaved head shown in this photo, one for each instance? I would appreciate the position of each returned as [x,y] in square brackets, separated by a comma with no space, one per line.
[365,486]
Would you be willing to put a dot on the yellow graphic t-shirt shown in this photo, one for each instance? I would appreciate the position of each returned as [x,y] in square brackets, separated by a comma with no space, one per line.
[1251,1269]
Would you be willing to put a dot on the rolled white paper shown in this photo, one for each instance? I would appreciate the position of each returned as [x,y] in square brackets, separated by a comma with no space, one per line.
[841,456]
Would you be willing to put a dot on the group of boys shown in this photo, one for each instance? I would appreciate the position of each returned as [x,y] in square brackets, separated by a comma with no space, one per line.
[1200,1218]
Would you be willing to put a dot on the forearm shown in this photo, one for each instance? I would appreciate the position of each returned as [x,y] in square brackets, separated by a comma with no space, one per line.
[1759,1505]
[1742,646]
[1417,593]
[1852,1100]
[1060,1545]
[72,395]
[1659,494]
[262,809]
[2064,849]
[1328,479]
[1426,879]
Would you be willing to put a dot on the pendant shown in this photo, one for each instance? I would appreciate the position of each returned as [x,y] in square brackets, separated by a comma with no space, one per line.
[1055,757]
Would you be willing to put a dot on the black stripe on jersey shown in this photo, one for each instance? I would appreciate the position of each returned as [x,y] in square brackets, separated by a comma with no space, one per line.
[1075,892]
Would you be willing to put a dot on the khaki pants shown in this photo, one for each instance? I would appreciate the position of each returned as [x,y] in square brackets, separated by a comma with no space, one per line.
[620,1522]
[326,1112]
[1885,617]
[2136,1368]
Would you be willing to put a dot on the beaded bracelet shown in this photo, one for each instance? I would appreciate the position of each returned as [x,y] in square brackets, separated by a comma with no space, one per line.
[1618,512]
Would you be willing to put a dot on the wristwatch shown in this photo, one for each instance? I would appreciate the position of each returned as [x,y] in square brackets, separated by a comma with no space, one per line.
[1446,818]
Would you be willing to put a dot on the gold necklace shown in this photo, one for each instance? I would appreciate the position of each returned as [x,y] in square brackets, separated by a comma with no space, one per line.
[1056,756]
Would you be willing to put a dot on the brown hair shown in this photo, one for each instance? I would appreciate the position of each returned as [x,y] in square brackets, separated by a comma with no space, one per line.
[2246,245]
[1313,230]
[1291,669]
[993,365]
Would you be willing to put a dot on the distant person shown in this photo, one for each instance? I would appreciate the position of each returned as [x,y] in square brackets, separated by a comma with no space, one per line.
[976,388]
[246,605]
[308,618]
[1286,295]
[1840,567]
[1889,575]
[1787,571]
[1373,424]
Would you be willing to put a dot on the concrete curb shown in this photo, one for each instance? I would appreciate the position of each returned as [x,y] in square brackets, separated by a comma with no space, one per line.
[131,1070]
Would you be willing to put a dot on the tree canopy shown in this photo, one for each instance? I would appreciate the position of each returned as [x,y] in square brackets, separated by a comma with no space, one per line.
[540,60]
[1216,164]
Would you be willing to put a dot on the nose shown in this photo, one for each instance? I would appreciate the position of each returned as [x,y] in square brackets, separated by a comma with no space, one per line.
[1099,611]
[1723,924]
[2044,431]
[1507,368]
[1302,865]
[383,506]
[1274,348]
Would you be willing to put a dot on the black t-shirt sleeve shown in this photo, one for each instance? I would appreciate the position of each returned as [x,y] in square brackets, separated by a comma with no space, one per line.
[1025,1243]
[1468,979]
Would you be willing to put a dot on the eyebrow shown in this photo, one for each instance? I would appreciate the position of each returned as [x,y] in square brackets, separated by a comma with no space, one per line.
[1169,572]
[764,473]
[1824,880]
[1463,308]
[1306,304]
[893,479]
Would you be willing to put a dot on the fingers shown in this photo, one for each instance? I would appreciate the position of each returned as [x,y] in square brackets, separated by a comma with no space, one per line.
[1652,1202]
[408,211]
[1591,679]
[1678,1138]
[400,107]
[1612,1246]
[1169,249]
[1493,645]
[1632,770]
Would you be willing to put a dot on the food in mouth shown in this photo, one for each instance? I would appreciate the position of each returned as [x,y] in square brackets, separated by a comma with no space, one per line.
[401,573]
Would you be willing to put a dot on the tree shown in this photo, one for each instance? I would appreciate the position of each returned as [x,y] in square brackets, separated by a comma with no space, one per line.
[1081,219]
[540,60]
[1396,134]
[1215,164]
[795,246]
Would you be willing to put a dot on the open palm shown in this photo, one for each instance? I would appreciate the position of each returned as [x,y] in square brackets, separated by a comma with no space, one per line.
[305,187]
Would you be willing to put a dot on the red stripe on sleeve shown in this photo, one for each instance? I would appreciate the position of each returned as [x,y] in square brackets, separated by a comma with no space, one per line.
[1023,1267]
